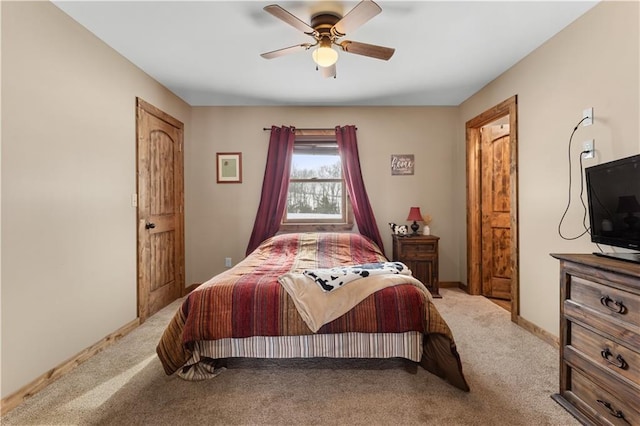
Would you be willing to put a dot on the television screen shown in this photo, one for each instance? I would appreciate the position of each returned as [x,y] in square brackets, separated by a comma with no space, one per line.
[613,191]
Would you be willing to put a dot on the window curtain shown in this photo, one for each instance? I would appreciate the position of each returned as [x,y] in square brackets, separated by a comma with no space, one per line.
[348,147]
[275,185]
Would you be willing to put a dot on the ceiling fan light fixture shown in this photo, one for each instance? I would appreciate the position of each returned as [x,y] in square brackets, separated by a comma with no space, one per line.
[325,56]
[326,29]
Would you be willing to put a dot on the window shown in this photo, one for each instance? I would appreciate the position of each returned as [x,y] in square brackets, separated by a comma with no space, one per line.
[317,198]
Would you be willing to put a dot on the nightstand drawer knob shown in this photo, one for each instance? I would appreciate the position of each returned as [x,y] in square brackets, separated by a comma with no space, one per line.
[615,413]
[613,305]
[619,361]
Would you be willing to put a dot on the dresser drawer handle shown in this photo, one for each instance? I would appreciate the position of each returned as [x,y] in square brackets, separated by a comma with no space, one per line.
[617,307]
[615,413]
[618,362]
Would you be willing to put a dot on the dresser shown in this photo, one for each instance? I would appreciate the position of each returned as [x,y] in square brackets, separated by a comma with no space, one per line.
[599,339]
[420,254]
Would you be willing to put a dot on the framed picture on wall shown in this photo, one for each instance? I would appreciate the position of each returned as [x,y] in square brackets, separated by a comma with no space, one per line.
[402,164]
[229,167]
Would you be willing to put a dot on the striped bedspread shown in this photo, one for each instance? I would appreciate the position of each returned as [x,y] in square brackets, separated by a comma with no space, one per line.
[247,301]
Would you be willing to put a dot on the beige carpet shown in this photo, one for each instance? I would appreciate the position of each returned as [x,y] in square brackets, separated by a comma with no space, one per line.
[511,373]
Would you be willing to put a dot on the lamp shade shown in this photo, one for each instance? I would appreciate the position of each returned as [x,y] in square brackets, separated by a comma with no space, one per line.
[414,214]
[325,55]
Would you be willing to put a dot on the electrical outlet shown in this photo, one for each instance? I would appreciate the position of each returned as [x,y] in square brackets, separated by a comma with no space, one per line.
[588,114]
[588,148]
[227,262]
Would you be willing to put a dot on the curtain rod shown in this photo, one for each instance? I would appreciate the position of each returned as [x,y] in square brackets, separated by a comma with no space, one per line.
[303,128]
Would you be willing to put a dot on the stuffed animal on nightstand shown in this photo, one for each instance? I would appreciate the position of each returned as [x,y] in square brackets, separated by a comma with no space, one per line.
[399,229]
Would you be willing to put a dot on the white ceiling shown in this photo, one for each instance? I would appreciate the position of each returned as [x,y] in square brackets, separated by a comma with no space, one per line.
[208,52]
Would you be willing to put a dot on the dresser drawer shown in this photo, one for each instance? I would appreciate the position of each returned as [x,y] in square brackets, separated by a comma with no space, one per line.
[599,400]
[619,359]
[606,300]
[599,339]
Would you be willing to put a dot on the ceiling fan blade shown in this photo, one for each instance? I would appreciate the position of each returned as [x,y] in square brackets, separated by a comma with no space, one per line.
[328,71]
[371,50]
[357,16]
[285,51]
[289,18]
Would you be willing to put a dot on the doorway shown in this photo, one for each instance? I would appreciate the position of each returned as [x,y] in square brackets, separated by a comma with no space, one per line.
[492,214]
[160,216]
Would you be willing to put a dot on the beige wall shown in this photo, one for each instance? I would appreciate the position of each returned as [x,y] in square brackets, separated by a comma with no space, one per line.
[592,63]
[68,172]
[220,216]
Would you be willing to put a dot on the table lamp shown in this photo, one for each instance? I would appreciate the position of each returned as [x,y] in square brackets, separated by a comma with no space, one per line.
[415,216]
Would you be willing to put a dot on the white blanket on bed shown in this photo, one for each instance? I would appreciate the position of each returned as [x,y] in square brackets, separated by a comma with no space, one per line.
[317,307]
[334,278]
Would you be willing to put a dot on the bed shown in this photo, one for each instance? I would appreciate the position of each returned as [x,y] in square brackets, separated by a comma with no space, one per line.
[267,307]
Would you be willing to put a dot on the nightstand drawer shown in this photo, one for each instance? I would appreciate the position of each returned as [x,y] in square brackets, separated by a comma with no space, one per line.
[418,250]
[621,360]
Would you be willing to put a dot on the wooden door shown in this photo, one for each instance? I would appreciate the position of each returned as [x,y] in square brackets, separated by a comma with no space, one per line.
[495,212]
[160,209]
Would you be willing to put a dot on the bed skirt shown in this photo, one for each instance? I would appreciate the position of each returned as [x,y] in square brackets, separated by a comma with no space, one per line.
[342,345]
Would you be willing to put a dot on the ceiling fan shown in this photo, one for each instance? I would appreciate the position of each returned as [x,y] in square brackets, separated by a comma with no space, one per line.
[327,28]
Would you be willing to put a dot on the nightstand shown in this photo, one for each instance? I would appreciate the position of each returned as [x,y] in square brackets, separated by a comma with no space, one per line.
[420,254]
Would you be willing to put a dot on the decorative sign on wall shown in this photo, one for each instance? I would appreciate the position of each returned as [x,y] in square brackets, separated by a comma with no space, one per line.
[229,167]
[402,164]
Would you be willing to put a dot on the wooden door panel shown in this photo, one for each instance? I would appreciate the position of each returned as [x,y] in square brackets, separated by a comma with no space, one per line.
[163,255]
[499,179]
[161,173]
[495,212]
[501,262]
[160,211]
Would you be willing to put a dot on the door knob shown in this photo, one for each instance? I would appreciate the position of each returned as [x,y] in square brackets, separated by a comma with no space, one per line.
[149,225]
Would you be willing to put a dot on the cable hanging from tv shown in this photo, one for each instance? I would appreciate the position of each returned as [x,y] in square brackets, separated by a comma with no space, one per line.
[584,206]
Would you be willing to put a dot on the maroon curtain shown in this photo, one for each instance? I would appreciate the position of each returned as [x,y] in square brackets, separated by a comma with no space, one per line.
[275,185]
[348,147]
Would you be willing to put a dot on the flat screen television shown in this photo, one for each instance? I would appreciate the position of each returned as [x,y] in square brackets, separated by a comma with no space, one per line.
[613,193]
